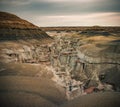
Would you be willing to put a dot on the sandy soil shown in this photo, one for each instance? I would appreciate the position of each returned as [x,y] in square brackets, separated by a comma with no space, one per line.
[40,86]
[105,99]
[23,99]
[21,86]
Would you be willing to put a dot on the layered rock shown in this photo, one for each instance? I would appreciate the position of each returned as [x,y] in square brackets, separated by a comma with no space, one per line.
[77,61]
[86,58]
[20,40]
[24,56]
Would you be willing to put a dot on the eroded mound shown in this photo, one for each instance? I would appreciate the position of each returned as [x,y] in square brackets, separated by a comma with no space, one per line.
[14,28]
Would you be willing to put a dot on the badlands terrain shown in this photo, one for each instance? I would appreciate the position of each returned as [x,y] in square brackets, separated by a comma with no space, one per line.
[58,66]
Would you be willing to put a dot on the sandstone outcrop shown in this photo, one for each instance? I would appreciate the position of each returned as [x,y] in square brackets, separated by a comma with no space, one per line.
[20,40]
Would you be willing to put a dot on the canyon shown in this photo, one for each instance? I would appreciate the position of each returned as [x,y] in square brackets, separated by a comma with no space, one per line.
[56,66]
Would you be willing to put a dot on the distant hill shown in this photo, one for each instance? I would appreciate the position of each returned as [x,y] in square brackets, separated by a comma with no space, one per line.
[83,28]
[14,28]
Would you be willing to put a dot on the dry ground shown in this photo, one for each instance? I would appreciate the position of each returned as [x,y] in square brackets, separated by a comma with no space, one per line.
[21,87]
[106,99]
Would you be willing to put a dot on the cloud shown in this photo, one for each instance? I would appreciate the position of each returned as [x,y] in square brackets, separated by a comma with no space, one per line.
[65,12]
[69,0]
[60,7]
[15,2]
[21,1]
[26,2]
[102,19]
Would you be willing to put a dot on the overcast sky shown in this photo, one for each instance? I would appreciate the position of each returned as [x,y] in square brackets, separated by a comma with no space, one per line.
[65,12]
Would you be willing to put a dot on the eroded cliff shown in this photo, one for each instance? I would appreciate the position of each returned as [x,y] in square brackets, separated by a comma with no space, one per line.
[87,58]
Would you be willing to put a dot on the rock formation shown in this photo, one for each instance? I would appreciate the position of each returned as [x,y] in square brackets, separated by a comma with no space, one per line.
[20,39]
[25,79]
[86,58]
[79,62]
